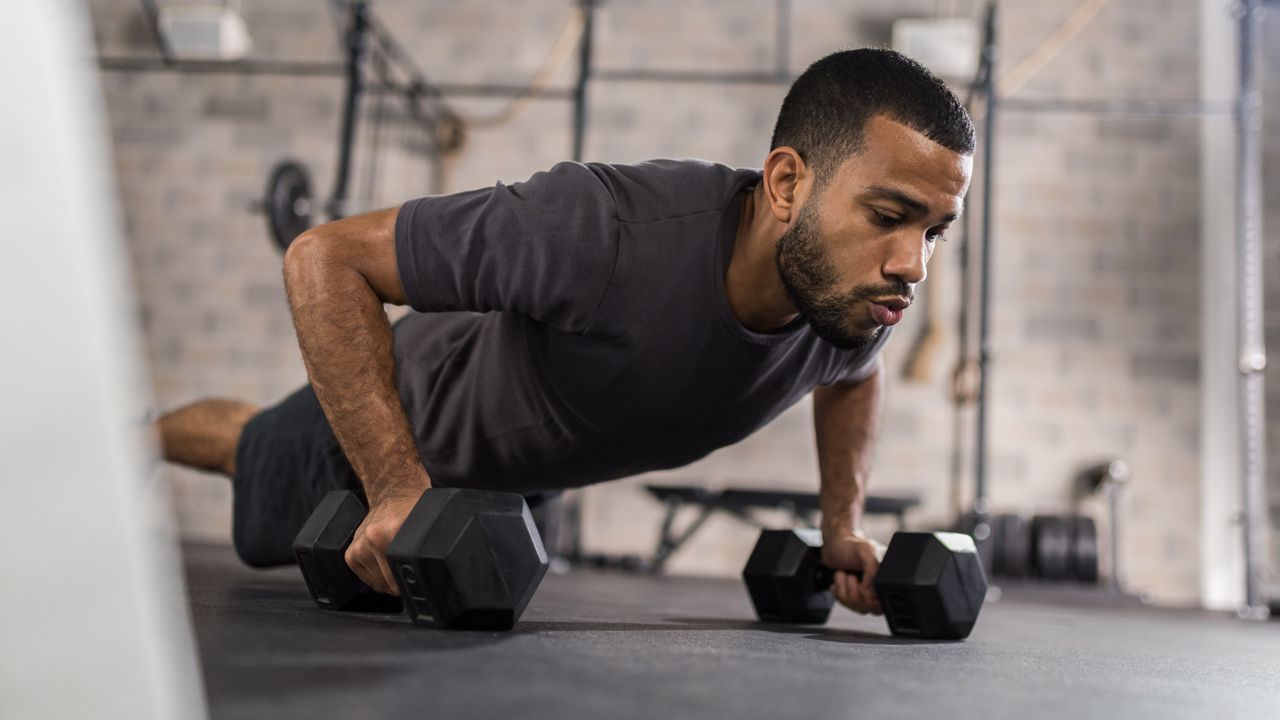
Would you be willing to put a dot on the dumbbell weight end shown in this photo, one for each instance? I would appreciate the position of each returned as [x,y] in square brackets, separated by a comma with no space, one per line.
[824,577]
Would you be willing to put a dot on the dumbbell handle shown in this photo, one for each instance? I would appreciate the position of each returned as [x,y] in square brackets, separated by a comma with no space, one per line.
[824,577]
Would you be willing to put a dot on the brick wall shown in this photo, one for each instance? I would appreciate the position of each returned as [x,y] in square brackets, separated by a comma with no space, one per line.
[1095,300]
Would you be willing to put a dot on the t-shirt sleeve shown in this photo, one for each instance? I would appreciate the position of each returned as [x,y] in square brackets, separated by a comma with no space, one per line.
[864,364]
[544,248]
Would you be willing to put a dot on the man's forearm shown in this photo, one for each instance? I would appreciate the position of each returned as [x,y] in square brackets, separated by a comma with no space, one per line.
[346,344]
[846,421]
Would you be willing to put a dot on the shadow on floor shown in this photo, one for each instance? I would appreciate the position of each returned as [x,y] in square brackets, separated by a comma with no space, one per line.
[683,624]
[813,632]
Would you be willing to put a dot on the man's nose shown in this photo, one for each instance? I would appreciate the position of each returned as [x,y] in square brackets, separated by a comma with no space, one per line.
[906,260]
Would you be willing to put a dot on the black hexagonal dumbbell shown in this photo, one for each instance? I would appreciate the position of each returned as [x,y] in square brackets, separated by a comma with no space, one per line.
[930,585]
[467,559]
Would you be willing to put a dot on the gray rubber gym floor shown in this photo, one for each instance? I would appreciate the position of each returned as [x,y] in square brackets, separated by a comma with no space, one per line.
[608,645]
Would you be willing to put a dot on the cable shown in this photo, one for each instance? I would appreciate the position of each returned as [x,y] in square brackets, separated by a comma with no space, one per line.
[561,50]
[1049,48]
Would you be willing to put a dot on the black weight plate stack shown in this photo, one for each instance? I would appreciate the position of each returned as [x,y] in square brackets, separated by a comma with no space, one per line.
[1051,547]
[288,202]
[1084,549]
[1013,551]
[984,533]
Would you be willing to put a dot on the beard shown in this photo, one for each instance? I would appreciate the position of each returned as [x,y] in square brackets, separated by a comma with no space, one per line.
[811,282]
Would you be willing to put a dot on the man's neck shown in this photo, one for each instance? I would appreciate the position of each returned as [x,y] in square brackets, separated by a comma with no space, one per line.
[752,284]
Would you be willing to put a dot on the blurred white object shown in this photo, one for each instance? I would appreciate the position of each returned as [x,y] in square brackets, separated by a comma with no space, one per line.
[202,32]
[92,614]
[947,46]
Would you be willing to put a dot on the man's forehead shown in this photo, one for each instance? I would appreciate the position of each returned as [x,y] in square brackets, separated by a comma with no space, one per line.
[884,131]
[912,170]
[900,149]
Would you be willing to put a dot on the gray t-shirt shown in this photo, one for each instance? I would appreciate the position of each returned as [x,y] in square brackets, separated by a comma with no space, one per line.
[574,328]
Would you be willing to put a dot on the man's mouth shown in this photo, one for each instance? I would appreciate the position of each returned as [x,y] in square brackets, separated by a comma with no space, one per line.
[888,311]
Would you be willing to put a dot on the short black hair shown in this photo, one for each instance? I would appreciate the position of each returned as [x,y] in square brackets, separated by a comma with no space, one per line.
[828,106]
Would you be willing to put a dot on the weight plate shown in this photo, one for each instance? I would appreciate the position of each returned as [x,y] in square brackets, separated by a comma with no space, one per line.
[1013,555]
[1051,547]
[288,202]
[1084,549]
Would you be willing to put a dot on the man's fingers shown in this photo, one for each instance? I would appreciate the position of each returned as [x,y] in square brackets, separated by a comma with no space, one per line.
[845,589]
[851,593]
[375,578]
[868,582]
[870,600]
[355,562]
[851,587]
[367,570]
[867,589]
[385,569]
[841,586]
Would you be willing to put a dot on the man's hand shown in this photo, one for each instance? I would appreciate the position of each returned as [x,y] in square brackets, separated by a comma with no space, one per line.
[849,554]
[367,554]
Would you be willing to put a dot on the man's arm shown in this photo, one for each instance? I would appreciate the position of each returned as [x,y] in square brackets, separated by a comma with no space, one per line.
[846,420]
[337,277]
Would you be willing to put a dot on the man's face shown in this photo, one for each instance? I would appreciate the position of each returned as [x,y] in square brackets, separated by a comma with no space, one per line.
[858,246]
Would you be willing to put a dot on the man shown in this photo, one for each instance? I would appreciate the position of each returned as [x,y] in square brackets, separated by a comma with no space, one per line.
[600,321]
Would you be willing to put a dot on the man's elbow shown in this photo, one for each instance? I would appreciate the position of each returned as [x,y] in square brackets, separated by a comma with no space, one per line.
[355,251]
[315,259]
[304,256]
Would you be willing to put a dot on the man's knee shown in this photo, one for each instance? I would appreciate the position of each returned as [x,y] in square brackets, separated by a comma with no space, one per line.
[259,551]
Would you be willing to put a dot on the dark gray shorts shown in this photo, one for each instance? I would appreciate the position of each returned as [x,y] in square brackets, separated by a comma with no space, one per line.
[287,459]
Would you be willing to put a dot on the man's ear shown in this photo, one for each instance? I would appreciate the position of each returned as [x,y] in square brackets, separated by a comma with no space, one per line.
[785,175]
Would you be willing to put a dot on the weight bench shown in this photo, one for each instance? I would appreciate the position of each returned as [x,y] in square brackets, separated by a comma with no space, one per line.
[742,504]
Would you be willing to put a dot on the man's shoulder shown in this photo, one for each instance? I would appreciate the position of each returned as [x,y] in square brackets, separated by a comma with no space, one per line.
[665,189]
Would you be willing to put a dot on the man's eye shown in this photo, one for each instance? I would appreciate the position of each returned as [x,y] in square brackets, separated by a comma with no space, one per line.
[935,236]
[883,220]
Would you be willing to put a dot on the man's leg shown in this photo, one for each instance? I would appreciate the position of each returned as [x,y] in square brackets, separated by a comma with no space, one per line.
[205,433]
[282,459]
